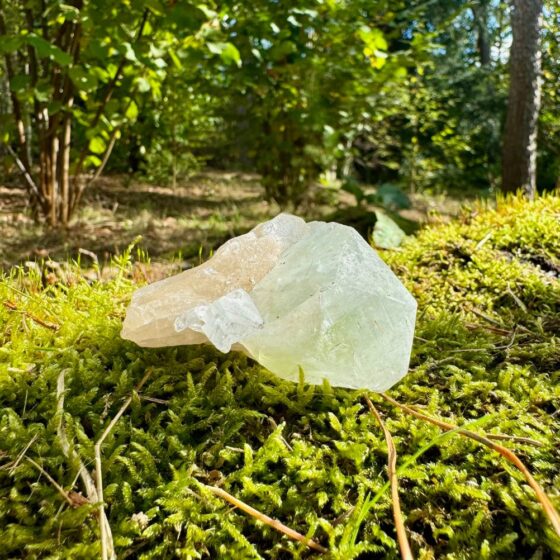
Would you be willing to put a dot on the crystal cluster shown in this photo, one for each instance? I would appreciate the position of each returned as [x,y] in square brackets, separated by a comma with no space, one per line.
[291,295]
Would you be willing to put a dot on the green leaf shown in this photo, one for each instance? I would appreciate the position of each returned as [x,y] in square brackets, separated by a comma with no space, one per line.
[129,53]
[143,85]
[83,79]
[43,91]
[282,49]
[44,49]
[227,51]
[97,145]
[393,197]
[54,107]
[132,111]
[10,44]
[70,13]
[373,38]
[159,63]
[92,161]
[175,59]
[155,6]
[209,13]
[386,233]
[20,82]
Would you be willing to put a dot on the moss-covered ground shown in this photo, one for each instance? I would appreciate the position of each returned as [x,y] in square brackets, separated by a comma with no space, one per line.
[486,355]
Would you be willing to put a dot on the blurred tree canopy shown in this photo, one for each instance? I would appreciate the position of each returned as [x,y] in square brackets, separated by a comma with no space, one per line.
[411,92]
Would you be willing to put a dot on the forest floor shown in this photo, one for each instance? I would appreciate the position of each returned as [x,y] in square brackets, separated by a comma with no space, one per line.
[185,427]
[176,225]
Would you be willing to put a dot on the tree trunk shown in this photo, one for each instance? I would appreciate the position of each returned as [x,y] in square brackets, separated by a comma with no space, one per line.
[519,160]
[480,15]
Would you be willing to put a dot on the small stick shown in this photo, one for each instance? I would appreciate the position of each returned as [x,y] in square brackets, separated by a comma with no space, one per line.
[494,322]
[98,467]
[61,490]
[497,330]
[13,307]
[274,523]
[515,439]
[406,553]
[83,473]
[22,454]
[547,505]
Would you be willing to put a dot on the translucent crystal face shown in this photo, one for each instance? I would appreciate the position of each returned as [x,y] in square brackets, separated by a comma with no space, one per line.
[291,295]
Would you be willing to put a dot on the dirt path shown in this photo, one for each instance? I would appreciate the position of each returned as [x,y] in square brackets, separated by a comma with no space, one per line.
[175,225]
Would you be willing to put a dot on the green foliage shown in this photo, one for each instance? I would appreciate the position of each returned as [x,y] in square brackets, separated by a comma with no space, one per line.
[404,92]
[310,72]
[486,354]
[387,195]
[85,69]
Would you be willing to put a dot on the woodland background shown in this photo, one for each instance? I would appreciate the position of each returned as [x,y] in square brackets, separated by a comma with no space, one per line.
[311,98]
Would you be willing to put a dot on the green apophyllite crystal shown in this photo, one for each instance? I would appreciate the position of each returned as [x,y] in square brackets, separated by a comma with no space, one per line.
[292,295]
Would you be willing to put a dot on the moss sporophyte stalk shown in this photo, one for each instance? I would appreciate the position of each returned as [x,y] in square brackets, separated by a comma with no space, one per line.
[485,358]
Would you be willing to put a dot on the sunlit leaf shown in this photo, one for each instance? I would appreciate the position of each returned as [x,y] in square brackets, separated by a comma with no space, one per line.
[44,49]
[227,51]
[97,145]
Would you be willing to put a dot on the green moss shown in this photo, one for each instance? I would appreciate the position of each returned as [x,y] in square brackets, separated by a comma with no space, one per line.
[487,354]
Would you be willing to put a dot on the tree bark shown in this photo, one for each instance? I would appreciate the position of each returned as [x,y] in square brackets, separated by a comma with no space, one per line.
[480,15]
[519,159]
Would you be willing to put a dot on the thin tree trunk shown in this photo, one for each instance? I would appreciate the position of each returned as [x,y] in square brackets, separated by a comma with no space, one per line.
[64,169]
[519,161]
[16,105]
[480,14]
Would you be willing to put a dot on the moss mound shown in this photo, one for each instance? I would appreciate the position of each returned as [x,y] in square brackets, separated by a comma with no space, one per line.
[487,354]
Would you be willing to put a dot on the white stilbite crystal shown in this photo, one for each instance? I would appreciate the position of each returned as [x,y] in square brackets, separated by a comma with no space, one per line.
[291,295]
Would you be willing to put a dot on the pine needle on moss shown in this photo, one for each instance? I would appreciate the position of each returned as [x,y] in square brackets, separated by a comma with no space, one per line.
[406,553]
[549,509]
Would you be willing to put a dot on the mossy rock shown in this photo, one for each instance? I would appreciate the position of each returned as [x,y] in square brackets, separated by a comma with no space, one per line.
[486,355]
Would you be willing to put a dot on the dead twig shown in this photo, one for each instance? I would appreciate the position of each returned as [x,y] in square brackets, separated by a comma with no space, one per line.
[406,553]
[497,330]
[549,509]
[517,299]
[515,439]
[105,548]
[497,323]
[274,523]
[22,454]
[13,307]
[83,473]
[61,490]
[153,399]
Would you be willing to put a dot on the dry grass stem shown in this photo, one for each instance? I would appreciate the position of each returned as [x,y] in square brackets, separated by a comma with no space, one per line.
[22,454]
[107,549]
[274,523]
[547,505]
[61,490]
[515,439]
[404,546]
[13,307]
[99,470]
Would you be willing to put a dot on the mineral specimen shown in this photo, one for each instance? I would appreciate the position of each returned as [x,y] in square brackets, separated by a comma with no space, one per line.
[291,295]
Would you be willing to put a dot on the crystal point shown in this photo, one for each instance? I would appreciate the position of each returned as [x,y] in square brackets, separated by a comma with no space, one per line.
[291,295]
